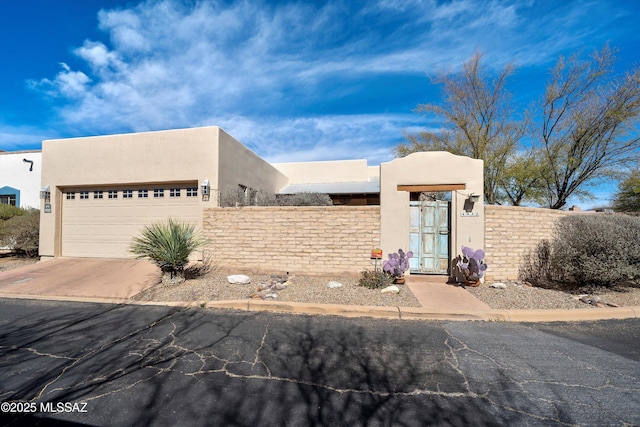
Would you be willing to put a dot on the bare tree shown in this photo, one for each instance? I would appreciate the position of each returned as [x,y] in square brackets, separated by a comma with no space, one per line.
[589,124]
[478,122]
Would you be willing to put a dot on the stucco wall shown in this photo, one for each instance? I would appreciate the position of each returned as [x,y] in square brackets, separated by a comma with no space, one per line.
[182,155]
[327,171]
[512,231]
[239,165]
[15,173]
[431,168]
[333,240]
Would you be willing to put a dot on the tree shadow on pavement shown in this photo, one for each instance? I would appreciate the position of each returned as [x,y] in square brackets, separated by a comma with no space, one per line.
[161,365]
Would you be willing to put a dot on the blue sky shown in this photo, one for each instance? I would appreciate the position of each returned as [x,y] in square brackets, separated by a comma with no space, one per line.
[294,81]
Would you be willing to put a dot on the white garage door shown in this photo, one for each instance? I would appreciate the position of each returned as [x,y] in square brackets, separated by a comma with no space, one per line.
[101,222]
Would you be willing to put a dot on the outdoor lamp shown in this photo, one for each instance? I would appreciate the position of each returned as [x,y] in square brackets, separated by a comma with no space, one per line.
[474,197]
[45,193]
[205,187]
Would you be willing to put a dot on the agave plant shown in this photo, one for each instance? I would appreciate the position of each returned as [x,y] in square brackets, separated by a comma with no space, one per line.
[397,263]
[168,244]
[472,264]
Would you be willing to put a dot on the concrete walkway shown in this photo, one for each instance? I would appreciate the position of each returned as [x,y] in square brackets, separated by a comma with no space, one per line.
[80,277]
[433,293]
[116,280]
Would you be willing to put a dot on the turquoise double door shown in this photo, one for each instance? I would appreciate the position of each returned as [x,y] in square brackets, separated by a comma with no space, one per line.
[429,236]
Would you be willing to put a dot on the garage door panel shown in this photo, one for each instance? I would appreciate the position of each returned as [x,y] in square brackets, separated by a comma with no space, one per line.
[105,227]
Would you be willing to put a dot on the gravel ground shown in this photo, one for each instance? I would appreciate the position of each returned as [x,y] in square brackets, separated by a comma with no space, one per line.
[214,287]
[519,296]
[307,289]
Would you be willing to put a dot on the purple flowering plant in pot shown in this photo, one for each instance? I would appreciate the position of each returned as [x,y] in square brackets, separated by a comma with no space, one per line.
[397,264]
[472,265]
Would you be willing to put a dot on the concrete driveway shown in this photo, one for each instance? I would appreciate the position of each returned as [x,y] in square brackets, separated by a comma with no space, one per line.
[80,277]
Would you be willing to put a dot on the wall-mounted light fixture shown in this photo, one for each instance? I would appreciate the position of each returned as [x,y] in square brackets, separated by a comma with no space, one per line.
[29,161]
[45,193]
[205,189]
[474,197]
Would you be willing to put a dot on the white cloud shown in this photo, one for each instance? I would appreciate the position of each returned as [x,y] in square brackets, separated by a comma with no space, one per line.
[322,138]
[258,67]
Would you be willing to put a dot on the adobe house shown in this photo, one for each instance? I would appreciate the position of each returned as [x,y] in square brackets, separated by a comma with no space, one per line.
[103,189]
[97,192]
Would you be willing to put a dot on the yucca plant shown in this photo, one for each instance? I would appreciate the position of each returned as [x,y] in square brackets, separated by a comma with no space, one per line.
[168,244]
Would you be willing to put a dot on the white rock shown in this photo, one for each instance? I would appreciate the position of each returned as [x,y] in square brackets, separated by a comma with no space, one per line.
[333,284]
[499,286]
[238,279]
[391,289]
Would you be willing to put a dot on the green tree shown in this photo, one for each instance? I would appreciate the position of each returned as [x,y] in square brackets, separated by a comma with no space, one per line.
[589,124]
[523,179]
[478,122]
[627,198]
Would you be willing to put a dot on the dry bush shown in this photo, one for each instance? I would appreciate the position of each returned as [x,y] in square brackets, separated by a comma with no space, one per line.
[600,250]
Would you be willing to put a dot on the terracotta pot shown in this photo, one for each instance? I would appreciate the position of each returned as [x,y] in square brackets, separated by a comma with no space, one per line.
[399,280]
[472,283]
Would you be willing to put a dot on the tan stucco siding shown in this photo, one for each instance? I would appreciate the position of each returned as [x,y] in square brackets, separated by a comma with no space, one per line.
[184,155]
[240,165]
[326,172]
[428,168]
[175,155]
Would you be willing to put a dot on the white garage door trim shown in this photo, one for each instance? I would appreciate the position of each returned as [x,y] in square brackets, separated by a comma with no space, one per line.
[101,221]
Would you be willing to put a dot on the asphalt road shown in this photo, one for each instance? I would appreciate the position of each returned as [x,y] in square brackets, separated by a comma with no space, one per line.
[95,364]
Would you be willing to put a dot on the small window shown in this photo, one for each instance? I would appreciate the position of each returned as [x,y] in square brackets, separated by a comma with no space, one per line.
[97,195]
[113,194]
[84,195]
[8,199]
[127,194]
[143,194]
[71,196]
[174,192]
[192,192]
[158,192]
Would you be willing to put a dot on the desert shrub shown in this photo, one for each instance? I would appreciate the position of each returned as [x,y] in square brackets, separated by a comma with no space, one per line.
[304,199]
[374,279]
[9,211]
[535,266]
[168,244]
[21,232]
[589,250]
[236,196]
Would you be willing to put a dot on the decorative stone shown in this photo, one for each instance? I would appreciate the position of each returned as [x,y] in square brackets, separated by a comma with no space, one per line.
[590,299]
[238,279]
[333,284]
[393,289]
[499,286]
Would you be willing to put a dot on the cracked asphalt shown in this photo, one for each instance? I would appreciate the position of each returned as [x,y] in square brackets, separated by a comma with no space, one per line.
[156,365]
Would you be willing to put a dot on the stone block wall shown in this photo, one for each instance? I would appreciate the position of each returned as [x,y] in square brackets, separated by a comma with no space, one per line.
[323,240]
[512,231]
